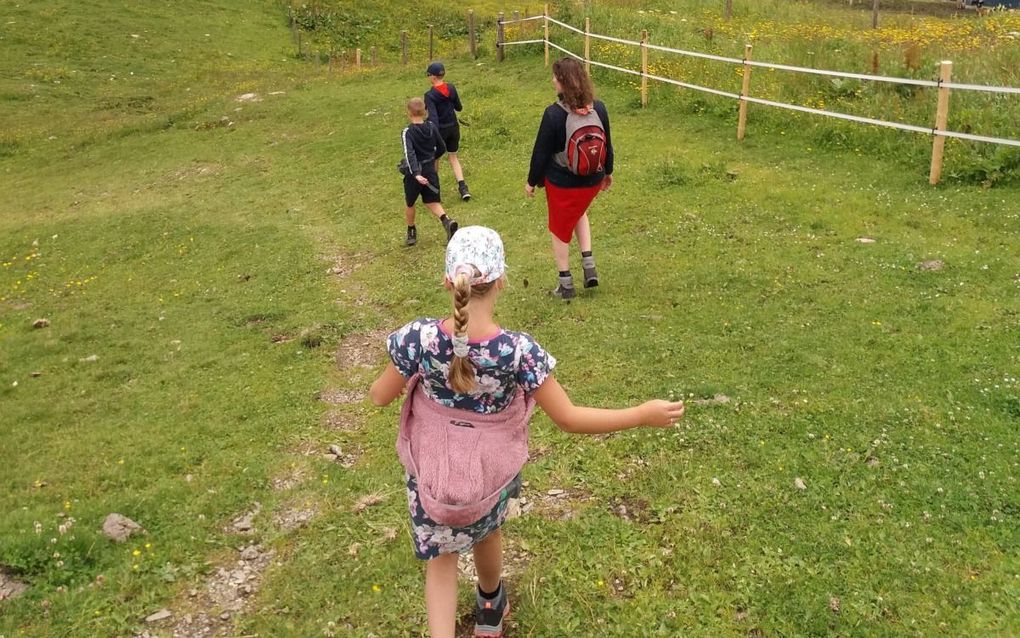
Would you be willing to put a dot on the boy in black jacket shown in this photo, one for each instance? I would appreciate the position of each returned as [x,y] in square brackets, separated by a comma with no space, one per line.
[422,147]
[443,103]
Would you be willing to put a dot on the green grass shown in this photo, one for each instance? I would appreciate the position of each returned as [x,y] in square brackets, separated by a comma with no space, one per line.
[202,249]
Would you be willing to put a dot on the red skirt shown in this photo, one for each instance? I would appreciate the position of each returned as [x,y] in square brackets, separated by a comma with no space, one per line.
[567,206]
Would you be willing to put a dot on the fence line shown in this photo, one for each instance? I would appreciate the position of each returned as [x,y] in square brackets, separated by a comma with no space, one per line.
[943,84]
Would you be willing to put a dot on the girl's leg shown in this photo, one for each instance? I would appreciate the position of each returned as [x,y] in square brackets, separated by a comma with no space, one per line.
[455,164]
[583,233]
[561,253]
[409,215]
[441,595]
[489,561]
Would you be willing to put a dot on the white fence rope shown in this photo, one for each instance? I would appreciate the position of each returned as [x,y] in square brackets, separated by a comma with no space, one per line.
[540,41]
[565,25]
[783,67]
[796,69]
[523,20]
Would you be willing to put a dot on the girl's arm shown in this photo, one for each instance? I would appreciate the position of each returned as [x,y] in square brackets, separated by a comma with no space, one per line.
[576,419]
[388,386]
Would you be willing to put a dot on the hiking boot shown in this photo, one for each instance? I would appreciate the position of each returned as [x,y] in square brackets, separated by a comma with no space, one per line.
[490,614]
[412,236]
[451,227]
[565,290]
[562,292]
[464,194]
[591,276]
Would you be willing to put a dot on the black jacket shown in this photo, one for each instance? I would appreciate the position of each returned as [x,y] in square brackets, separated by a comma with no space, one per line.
[423,145]
[552,137]
[443,108]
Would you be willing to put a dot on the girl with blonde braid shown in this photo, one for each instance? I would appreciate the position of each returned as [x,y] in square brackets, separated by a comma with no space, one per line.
[471,387]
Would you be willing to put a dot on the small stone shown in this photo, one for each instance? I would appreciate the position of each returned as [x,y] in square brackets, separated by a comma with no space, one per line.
[92,358]
[225,615]
[873,462]
[41,323]
[865,240]
[834,605]
[162,614]
[555,492]
[932,265]
[716,482]
[250,553]
[119,527]
[192,593]
[335,450]
[36,374]
[799,483]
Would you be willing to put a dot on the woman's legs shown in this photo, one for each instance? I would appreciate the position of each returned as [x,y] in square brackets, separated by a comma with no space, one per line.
[583,233]
[441,595]
[561,253]
[489,561]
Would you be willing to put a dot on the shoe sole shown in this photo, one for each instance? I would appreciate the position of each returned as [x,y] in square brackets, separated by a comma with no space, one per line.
[591,283]
[466,197]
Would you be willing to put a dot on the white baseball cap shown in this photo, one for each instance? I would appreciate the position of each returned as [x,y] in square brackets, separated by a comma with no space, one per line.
[475,248]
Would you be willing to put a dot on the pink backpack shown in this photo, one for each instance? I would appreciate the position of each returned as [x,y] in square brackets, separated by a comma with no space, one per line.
[462,459]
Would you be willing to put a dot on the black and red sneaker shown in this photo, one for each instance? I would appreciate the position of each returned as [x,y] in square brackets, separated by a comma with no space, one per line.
[490,614]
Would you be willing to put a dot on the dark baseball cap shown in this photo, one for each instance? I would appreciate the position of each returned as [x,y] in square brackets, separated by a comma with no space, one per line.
[436,68]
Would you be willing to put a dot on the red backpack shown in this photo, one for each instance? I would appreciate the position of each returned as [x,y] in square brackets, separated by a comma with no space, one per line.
[585,151]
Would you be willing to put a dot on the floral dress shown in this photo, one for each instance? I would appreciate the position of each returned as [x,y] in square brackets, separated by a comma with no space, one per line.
[505,362]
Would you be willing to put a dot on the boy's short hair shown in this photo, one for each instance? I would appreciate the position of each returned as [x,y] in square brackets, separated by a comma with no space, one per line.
[416,107]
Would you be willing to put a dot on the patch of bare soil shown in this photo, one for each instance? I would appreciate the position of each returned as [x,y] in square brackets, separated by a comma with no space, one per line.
[554,504]
[10,587]
[361,350]
[289,479]
[632,509]
[340,421]
[295,516]
[346,455]
[209,610]
[244,523]
[338,396]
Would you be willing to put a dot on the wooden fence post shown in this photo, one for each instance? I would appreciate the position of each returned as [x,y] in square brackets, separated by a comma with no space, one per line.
[874,15]
[644,68]
[587,46]
[546,13]
[500,53]
[403,47]
[431,44]
[729,9]
[745,89]
[516,15]
[472,43]
[357,58]
[941,119]
[375,56]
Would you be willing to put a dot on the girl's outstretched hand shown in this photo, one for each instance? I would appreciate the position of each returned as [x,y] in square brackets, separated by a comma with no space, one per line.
[662,414]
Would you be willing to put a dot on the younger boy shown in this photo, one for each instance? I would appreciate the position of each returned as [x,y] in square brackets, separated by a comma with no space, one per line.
[443,103]
[422,147]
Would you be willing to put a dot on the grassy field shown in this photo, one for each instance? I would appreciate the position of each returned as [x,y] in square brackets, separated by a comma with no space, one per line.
[218,273]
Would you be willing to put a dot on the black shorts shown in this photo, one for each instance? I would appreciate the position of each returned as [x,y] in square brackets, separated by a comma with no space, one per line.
[412,189]
[451,136]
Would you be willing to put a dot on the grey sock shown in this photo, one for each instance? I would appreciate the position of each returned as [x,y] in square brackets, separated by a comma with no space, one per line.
[567,282]
[588,262]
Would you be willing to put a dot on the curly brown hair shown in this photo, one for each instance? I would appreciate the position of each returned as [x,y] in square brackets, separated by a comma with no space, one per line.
[577,88]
